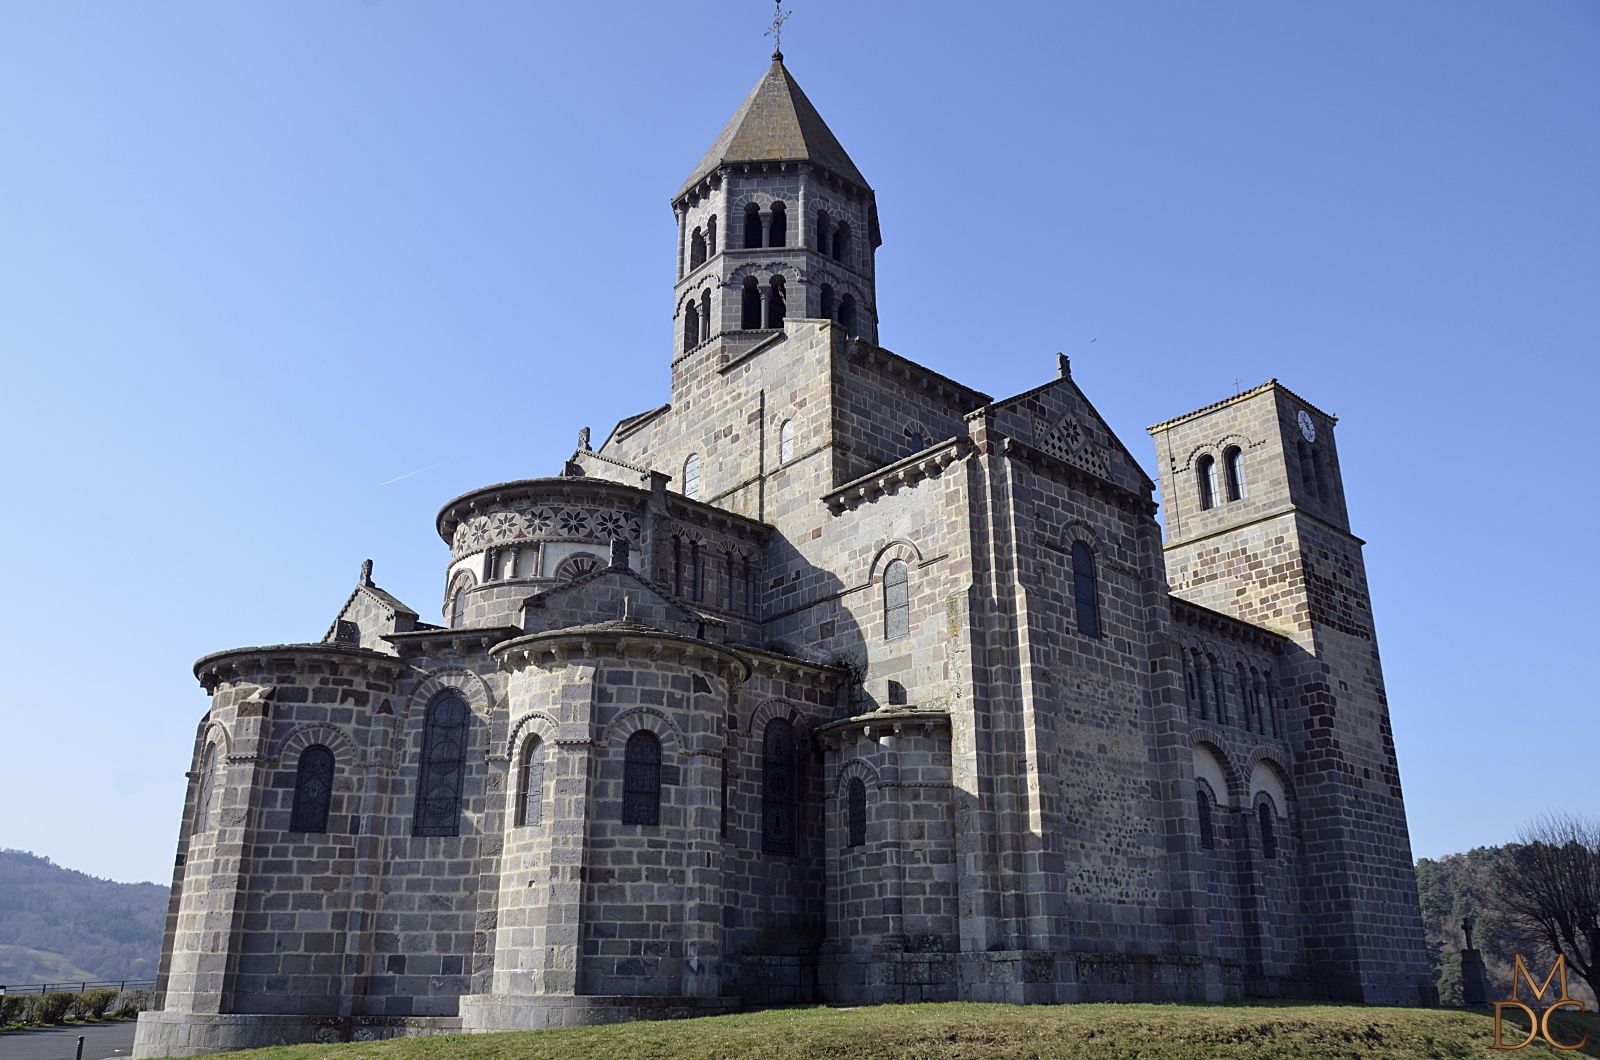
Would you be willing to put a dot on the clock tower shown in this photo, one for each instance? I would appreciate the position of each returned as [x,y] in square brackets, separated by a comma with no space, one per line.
[1256,528]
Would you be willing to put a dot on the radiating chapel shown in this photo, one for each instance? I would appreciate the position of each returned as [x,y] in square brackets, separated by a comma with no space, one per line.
[828,679]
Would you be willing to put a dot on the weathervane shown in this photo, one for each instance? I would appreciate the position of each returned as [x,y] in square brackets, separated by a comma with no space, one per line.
[779,17]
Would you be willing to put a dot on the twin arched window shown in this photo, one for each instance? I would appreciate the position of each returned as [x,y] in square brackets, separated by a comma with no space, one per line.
[777,227]
[1085,590]
[1206,479]
[443,766]
[313,790]
[777,303]
[697,249]
[856,812]
[750,304]
[1233,472]
[780,788]
[691,325]
[896,600]
[530,784]
[641,779]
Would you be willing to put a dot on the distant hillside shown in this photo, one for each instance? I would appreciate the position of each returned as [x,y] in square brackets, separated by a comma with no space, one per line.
[57,924]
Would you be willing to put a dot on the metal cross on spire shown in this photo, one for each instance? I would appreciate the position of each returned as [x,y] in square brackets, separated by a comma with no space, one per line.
[779,17]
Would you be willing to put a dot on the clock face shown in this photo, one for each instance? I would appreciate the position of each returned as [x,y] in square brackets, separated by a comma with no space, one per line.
[1307,427]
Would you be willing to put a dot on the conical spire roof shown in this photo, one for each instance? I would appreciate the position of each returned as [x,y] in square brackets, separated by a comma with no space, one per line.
[776,122]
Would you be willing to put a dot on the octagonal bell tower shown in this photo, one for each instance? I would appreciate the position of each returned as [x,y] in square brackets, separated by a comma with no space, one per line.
[774,223]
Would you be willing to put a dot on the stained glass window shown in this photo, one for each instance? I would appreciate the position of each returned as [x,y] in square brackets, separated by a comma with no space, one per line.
[780,791]
[641,779]
[896,600]
[1206,479]
[313,790]
[1085,593]
[856,796]
[443,766]
[530,784]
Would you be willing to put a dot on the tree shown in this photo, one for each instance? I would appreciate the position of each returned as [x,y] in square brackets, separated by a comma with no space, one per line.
[1548,887]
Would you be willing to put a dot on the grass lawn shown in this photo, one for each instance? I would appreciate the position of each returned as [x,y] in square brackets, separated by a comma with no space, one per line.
[960,1031]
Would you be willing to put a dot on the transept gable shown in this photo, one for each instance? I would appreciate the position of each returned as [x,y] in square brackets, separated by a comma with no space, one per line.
[1059,420]
[618,593]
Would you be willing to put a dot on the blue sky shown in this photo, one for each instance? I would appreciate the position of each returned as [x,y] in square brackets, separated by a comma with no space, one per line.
[259,261]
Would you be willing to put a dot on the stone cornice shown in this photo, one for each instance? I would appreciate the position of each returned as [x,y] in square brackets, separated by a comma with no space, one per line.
[868,353]
[1270,384]
[238,664]
[569,488]
[619,639]
[1204,618]
[461,640]
[891,721]
[928,463]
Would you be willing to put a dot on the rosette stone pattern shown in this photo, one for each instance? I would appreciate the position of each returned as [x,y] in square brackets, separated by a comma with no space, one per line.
[829,679]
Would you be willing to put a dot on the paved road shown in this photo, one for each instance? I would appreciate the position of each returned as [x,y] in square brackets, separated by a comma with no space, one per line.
[102,1041]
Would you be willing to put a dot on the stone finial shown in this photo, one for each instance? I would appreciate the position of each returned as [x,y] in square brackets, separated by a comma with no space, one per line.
[366,572]
[583,440]
[1466,929]
[1063,366]
[619,552]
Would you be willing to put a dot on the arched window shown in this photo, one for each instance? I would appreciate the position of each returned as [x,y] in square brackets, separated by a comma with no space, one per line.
[778,227]
[1320,473]
[711,237]
[1208,835]
[641,779]
[822,231]
[1085,591]
[1233,471]
[458,599]
[728,596]
[780,790]
[786,442]
[841,241]
[749,590]
[443,766]
[530,784]
[825,310]
[752,226]
[313,790]
[705,314]
[691,477]
[1219,695]
[697,572]
[1202,686]
[677,565]
[1205,473]
[1244,694]
[576,566]
[896,600]
[1191,685]
[847,314]
[691,325]
[777,307]
[697,249]
[1269,839]
[856,808]
[208,790]
[750,304]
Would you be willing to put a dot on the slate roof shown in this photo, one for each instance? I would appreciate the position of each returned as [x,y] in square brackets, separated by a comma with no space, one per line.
[776,122]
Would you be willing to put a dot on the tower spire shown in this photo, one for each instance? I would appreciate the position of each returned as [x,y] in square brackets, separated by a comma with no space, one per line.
[775,31]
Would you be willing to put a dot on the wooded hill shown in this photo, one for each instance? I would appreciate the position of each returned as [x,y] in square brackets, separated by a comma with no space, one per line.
[60,925]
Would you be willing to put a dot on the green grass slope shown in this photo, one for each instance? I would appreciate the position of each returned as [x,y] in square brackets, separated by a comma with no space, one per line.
[963,1031]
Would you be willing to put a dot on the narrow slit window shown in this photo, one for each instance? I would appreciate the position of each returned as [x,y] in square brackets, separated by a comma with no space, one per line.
[1208,835]
[530,784]
[691,477]
[1206,479]
[857,810]
[1269,837]
[1085,590]
[780,789]
[786,442]
[896,600]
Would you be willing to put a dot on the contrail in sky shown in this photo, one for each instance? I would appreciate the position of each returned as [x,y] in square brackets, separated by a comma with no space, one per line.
[418,471]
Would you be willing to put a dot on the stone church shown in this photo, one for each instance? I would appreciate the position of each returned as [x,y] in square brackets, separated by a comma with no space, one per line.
[829,679]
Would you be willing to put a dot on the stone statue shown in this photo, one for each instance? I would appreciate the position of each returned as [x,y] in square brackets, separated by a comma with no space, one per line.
[366,572]
[583,439]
